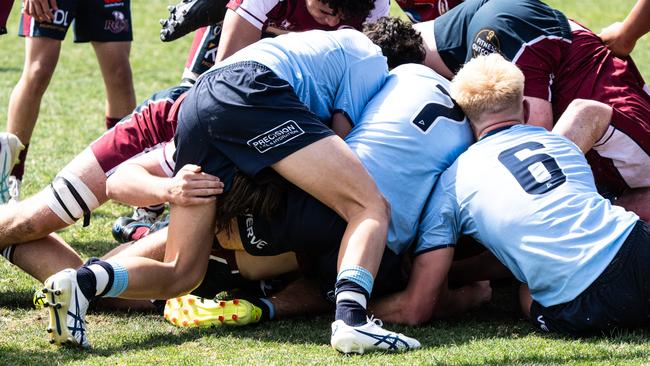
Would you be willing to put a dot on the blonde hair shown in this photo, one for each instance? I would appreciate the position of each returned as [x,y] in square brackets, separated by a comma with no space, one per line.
[488,84]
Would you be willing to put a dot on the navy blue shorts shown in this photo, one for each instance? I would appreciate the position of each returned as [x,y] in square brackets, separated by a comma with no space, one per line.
[618,298]
[243,117]
[94,20]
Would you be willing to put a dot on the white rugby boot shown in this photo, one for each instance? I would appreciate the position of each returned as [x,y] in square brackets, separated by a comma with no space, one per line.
[10,147]
[369,337]
[67,306]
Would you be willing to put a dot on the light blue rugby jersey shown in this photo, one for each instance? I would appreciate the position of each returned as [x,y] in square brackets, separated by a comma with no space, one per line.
[529,196]
[410,132]
[329,71]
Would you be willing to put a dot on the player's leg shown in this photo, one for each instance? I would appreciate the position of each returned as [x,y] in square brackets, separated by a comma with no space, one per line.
[80,187]
[109,28]
[202,52]
[357,200]
[113,58]
[42,257]
[41,57]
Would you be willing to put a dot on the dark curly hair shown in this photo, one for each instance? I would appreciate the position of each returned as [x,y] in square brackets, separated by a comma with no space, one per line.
[398,40]
[262,195]
[351,9]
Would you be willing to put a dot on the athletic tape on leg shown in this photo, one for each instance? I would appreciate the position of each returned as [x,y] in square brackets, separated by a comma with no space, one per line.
[71,199]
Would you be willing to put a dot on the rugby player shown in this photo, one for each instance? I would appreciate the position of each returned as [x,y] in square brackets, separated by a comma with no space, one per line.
[529,196]
[562,61]
[107,25]
[404,149]
[247,21]
[287,113]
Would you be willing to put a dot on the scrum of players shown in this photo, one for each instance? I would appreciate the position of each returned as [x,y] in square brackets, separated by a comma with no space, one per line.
[493,121]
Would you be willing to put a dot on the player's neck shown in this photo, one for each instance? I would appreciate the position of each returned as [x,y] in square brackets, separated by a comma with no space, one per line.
[495,126]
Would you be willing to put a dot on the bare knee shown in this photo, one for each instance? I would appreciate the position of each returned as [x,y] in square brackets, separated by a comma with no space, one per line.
[37,76]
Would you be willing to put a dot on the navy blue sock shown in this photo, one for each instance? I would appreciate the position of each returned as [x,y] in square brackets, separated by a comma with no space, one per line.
[87,279]
[349,309]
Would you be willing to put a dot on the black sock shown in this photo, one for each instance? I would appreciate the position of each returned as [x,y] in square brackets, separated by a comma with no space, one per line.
[350,311]
[88,282]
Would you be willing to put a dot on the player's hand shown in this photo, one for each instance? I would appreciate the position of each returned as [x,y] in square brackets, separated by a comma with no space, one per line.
[615,39]
[41,10]
[190,187]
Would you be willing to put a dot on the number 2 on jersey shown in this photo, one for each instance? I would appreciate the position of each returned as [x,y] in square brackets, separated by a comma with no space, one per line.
[431,112]
[536,174]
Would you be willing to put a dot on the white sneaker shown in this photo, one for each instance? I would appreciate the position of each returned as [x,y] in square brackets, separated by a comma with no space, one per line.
[10,147]
[67,306]
[14,189]
[369,337]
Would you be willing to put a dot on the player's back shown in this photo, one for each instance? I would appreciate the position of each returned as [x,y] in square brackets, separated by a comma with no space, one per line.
[328,70]
[530,197]
[410,132]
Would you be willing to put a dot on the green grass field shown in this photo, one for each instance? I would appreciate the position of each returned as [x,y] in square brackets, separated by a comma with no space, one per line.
[72,116]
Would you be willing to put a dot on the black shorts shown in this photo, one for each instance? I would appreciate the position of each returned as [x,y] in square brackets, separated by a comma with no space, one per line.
[242,116]
[618,298]
[94,20]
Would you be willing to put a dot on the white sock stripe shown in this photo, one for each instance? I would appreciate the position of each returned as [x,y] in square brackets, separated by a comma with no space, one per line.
[354,296]
[6,252]
[101,276]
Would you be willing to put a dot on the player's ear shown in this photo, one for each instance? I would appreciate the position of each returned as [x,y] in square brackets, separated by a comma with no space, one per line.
[526,107]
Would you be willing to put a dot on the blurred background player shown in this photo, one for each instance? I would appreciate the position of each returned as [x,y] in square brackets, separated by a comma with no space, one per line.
[107,25]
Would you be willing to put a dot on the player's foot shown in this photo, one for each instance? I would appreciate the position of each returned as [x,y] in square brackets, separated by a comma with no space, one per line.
[3,30]
[126,229]
[369,337]
[67,307]
[190,15]
[193,311]
[10,147]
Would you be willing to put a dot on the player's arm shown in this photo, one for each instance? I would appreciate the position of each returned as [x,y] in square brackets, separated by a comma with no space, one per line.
[142,182]
[236,34]
[415,305]
[540,112]
[584,122]
[621,37]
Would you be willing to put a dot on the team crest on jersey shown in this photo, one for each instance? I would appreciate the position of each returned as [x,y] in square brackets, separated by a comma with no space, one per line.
[118,24]
[275,137]
[485,43]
